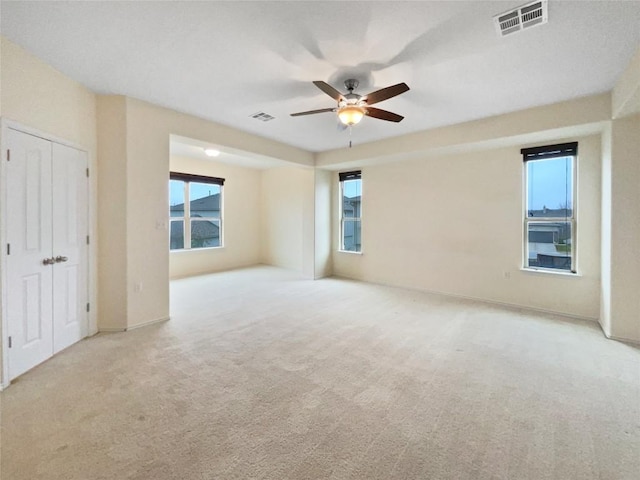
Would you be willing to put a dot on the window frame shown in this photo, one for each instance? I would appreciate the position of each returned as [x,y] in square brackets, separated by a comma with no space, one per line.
[342,178]
[186,219]
[550,152]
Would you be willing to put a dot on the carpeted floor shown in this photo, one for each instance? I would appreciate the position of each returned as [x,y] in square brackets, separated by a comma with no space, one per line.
[262,375]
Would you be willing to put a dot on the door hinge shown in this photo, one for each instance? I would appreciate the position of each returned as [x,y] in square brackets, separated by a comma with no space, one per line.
[87,239]
[8,249]
[88,307]
[87,173]
[9,342]
[8,155]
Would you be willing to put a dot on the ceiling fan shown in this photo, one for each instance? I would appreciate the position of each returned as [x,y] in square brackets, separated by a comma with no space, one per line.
[353,107]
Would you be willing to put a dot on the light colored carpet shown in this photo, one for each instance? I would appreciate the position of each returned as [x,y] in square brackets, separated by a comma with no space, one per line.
[262,375]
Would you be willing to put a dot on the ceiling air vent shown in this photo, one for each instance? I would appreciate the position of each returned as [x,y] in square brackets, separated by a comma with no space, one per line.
[526,16]
[265,117]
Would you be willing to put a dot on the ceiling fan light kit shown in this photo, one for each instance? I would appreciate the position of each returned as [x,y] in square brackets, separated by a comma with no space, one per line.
[351,114]
[352,107]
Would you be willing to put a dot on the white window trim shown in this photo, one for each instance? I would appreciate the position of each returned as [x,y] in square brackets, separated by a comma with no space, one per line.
[351,219]
[186,223]
[574,223]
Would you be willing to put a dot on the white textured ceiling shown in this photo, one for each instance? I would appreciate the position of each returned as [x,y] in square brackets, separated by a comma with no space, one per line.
[224,61]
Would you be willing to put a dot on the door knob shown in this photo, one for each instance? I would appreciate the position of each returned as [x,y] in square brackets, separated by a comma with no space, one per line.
[49,261]
[60,259]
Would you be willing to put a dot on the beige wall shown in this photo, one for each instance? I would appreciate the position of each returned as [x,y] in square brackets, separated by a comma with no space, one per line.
[296,220]
[453,224]
[605,234]
[621,210]
[2,40]
[39,97]
[241,217]
[286,197]
[323,219]
[625,98]
[113,181]
[624,315]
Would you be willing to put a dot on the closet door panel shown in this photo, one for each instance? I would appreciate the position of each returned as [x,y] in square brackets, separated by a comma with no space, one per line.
[29,237]
[70,290]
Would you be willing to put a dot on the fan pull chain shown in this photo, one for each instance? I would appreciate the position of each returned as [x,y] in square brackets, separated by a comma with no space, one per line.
[350,129]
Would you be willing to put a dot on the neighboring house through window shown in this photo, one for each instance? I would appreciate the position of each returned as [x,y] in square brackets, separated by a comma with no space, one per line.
[195,210]
[550,202]
[350,211]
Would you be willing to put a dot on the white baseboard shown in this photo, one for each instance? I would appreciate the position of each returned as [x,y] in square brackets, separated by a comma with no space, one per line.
[126,329]
[134,327]
[149,323]
[633,342]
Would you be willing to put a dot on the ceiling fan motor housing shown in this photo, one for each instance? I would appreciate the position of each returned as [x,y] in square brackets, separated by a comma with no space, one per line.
[351,99]
[351,84]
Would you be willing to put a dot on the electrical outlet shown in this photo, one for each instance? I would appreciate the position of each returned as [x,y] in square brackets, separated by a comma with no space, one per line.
[137,287]
[506,274]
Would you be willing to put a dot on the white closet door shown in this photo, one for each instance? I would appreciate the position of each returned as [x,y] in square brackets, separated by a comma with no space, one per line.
[70,194]
[29,237]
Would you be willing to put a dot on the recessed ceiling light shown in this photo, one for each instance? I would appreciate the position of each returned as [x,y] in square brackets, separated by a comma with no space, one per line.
[211,152]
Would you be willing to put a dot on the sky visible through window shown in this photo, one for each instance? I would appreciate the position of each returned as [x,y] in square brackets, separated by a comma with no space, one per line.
[549,183]
[197,190]
[202,190]
[351,188]
[176,192]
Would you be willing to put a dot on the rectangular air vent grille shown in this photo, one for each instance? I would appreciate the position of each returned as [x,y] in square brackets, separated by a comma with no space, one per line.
[265,117]
[526,16]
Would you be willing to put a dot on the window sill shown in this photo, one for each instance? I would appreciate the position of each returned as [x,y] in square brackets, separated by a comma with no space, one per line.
[205,249]
[545,271]
[350,252]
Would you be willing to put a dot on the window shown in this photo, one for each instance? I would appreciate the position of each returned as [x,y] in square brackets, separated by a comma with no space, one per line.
[195,211]
[549,217]
[350,211]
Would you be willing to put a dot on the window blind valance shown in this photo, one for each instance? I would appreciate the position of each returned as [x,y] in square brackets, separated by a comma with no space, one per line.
[550,151]
[188,177]
[356,174]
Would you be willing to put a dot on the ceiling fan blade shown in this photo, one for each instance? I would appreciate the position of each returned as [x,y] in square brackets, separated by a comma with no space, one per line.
[329,90]
[383,114]
[386,93]
[311,112]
